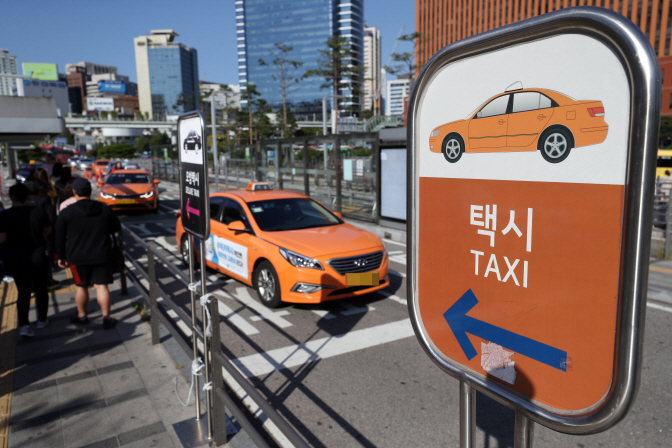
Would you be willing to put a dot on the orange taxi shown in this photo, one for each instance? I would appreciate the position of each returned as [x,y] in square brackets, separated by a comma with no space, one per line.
[524,120]
[130,190]
[98,168]
[288,247]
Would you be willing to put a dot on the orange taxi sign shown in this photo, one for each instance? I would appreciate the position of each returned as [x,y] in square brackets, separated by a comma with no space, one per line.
[531,206]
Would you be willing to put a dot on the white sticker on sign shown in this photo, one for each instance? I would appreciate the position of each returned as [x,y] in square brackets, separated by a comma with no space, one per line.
[192,143]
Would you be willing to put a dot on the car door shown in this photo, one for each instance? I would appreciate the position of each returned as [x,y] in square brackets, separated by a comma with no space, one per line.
[216,204]
[530,112]
[231,249]
[487,130]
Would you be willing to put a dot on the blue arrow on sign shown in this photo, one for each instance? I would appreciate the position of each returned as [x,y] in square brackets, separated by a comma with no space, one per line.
[461,324]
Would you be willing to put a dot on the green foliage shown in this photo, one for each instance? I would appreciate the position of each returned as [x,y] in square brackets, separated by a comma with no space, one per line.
[116,151]
[406,60]
[285,75]
[142,144]
[26,155]
[69,135]
[361,152]
[366,114]
[338,67]
[159,138]
[665,136]
[314,155]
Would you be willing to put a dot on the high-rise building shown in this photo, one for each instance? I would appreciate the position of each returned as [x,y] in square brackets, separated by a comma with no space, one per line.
[442,22]
[397,90]
[306,26]
[8,67]
[372,70]
[167,74]
[76,79]
[90,68]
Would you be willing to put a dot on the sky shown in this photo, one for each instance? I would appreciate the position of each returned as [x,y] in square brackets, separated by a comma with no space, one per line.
[102,32]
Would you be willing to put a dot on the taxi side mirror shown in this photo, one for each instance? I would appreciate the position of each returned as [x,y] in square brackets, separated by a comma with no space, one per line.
[237,226]
[338,214]
[157,181]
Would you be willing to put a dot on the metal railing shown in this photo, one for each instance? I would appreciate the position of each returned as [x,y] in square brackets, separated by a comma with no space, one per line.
[662,214]
[219,361]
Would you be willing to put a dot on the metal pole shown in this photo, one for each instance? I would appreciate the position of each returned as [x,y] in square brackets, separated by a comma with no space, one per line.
[226,171]
[668,226]
[467,416]
[524,431]
[278,164]
[214,140]
[124,285]
[218,408]
[339,174]
[324,114]
[194,339]
[206,343]
[154,323]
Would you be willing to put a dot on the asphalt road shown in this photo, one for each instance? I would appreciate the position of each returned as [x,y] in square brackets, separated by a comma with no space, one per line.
[352,374]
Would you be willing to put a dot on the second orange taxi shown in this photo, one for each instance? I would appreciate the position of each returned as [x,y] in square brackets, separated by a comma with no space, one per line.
[130,190]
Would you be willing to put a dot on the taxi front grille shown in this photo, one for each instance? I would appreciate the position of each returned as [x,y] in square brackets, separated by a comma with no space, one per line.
[359,263]
[125,196]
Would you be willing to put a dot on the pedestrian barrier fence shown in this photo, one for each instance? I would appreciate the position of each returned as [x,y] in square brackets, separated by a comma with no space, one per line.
[662,213]
[185,330]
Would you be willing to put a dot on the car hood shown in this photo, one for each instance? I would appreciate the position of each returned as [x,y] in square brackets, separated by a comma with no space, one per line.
[120,189]
[450,124]
[325,241]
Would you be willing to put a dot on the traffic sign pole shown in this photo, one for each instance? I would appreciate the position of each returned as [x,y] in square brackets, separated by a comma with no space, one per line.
[467,415]
[523,432]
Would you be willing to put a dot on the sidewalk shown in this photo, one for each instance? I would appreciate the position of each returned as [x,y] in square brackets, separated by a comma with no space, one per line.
[82,386]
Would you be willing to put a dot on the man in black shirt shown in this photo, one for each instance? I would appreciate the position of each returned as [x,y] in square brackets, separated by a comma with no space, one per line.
[83,233]
[22,235]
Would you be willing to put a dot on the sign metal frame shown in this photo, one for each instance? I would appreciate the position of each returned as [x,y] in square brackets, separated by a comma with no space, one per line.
[203,210]
[634,51]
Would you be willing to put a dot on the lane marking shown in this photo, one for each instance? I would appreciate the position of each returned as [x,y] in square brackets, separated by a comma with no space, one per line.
[394,298]
[398,274]
[394,242]
[278,313]
[236,319]
[657,269]
[401,259]
[324,314]
[299,354]
[242,296]
[659,307]
[351,309]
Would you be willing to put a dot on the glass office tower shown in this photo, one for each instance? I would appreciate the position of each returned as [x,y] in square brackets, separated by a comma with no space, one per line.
[306,25]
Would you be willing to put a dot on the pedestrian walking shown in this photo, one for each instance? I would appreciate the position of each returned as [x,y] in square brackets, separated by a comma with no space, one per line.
[83,242]
[23,229]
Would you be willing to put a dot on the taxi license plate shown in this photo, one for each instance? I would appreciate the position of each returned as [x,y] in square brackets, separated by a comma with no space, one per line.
[363,279]
[126,201]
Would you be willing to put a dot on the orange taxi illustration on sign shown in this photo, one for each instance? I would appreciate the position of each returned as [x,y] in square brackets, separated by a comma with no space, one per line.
[288,247]
[524,120]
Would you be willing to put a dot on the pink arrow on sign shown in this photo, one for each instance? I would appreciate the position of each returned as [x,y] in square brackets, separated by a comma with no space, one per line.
[192,210]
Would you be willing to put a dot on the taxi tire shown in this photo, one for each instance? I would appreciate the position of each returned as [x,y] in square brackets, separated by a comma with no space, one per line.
[184,244]
[267,284]
[555,135]
[456,143]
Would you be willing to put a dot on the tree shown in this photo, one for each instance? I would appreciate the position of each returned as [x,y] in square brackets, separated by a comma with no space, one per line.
[263,124]
[406,60]
[117,151]
[250,94]
[285,70]
[142,144]
[338,67]
[185,103]
[159,138]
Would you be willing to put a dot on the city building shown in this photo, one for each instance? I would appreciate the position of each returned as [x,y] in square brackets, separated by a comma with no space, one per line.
[110,84]
[76,80]
[7,67]
[91,68]
[167,74]
[305,26]
[372,70]
[49,89]
[666,75]
[442,22]
[397,90]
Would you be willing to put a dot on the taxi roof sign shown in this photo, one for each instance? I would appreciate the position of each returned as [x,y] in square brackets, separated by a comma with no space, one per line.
[533,213]
[258,186]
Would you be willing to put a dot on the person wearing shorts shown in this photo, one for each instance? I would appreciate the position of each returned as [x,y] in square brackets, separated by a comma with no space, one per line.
[83,242]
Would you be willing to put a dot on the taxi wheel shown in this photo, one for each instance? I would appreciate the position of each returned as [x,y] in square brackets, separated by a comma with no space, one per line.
[452,147]
[267,284]
[555,144]
[184,250]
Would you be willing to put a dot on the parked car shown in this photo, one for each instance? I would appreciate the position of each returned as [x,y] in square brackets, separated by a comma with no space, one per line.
[25,169]
[73,161]
[84,163]
[130,190]
[289,247]
[99,167]
[524,120]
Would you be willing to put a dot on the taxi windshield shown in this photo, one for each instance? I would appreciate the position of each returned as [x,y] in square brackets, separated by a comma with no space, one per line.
[128,178]
[101,163]
[291,214]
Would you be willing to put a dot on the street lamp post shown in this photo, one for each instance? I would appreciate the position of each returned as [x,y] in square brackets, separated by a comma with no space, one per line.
[212,99]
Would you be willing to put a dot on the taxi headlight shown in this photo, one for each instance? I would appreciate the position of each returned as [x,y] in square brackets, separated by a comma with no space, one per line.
[300,261]
[149,194]
[105,195]
[436,132]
